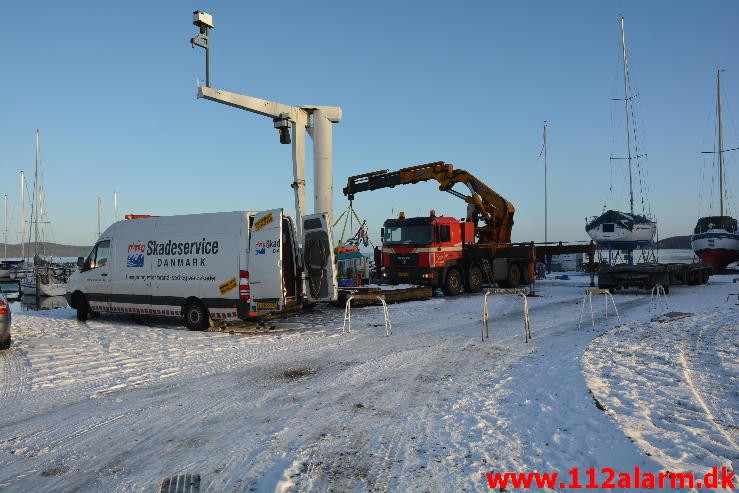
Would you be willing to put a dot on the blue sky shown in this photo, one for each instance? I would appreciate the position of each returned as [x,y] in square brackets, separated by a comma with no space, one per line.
[111,86]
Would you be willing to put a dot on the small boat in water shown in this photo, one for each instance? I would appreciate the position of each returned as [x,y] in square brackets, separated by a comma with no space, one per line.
[715,239]
[51,281]
[30,302]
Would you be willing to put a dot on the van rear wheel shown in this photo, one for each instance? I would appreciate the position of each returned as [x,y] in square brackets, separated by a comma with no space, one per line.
[196,315]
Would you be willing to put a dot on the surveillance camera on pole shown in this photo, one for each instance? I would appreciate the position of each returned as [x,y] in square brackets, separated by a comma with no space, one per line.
[204,21]
[282,124]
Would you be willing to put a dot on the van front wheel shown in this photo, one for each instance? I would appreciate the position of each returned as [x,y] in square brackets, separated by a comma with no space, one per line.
[83,309]
[196,315]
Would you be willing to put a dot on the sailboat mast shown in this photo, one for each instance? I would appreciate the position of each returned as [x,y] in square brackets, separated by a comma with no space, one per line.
[720,142]
[35,204]
[23,217]
[545,181]
[626,108]
[5,225]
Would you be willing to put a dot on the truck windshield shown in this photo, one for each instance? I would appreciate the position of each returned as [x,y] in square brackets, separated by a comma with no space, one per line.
[419,234]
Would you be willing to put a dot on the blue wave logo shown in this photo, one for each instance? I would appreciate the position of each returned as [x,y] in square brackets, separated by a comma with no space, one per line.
[135,260]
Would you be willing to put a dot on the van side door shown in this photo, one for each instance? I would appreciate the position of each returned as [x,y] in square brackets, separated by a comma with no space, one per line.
[318,259]
[265,262]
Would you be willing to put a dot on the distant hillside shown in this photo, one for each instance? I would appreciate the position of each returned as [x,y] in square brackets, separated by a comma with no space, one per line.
[47,249]
[675,242]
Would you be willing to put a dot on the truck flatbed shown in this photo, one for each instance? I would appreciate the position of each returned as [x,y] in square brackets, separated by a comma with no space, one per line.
[647,276]
[364,296]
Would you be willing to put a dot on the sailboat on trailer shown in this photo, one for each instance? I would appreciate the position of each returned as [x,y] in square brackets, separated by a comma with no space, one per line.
[616,230]
[716,239]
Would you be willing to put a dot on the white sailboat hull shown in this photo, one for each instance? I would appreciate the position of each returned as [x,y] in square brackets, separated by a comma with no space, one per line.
[641,234]
[50,288]
[621,231]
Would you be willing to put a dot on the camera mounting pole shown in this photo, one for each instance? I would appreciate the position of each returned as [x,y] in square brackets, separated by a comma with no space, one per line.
[205,23]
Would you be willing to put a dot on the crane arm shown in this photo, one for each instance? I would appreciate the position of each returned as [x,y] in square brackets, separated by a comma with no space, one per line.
[484,203]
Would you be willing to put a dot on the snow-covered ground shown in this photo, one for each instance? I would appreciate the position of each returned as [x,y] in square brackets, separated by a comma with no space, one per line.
[112,405]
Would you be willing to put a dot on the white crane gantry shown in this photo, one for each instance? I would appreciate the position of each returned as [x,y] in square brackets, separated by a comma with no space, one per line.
[295,120]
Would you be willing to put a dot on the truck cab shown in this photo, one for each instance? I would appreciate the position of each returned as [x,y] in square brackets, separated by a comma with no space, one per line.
[425,250]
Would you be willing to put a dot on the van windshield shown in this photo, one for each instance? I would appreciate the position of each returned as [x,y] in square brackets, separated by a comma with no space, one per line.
[99,254]
[411,234]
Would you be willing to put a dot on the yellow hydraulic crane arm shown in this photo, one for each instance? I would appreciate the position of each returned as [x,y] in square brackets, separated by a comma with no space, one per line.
[484,203]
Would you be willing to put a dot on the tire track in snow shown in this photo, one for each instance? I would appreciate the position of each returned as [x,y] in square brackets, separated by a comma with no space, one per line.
[663,382]
[110,363]
[15,380]
[304,439]
[356,453]
[74,436]
[703,373]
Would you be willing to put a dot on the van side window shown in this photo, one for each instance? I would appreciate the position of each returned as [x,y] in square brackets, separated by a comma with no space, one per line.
[99,254]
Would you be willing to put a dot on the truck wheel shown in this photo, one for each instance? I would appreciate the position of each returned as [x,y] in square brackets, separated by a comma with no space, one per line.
[514,276]
[524,277]
[83,308]
[474,279]
[452,283]
[196,315]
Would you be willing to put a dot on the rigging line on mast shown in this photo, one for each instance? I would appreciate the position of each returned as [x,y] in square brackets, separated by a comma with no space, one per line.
[641,170]
[714,166]
[702,169]
[633,96]
[625,158]
[715,152]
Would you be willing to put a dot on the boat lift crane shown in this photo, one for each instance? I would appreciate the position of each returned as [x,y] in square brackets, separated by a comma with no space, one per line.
[291,123]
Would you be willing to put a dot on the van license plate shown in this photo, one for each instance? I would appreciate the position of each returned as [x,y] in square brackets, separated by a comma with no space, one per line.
[402,274]
[266,305]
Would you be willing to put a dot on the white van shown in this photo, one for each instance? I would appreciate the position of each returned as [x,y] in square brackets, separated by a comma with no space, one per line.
[225,266]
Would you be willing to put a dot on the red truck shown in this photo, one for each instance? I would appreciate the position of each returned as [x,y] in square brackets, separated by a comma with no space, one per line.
[444,252]
[441,252]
